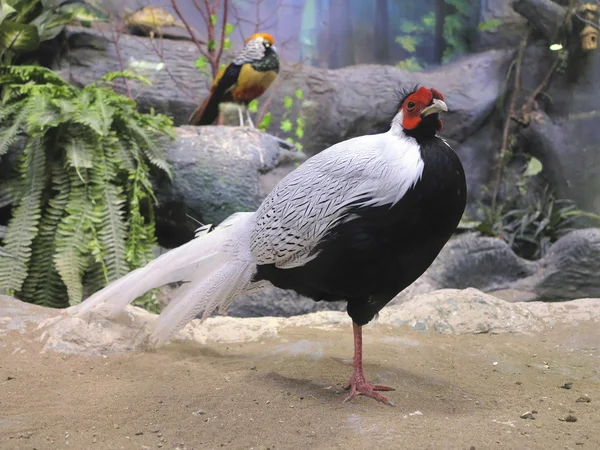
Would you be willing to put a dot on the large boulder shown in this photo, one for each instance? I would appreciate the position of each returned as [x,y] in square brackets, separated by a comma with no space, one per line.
[568,271]
[218,171]
[500,26]
[571,268]
[338,104]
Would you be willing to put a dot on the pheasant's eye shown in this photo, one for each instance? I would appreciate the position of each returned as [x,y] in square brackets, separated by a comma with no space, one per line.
[411,106]
[267,44]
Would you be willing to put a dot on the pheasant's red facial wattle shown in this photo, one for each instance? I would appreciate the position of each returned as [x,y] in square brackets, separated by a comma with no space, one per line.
[420,104]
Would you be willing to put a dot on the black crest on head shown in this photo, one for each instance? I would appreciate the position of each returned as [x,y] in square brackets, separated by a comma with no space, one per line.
[402,94]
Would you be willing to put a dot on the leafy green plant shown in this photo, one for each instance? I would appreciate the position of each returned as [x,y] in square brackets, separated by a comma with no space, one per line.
[25,24]
[411,64]
[293,128]
[489,25]
[82,203]
[528,222]
[455,26]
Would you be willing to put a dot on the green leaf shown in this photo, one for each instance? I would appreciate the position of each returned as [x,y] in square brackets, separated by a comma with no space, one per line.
[299,132]
[23,226]
[229,28]
[533,168]
[80,152]
[226,43]
[6,11]
[200,63]
[71,257]
[410,65]
[8,136]
[43,285]
[111,76]
[265,122]
[112,233]
[288,102]
[18,37]
[408,27]
[408,43]
[429,21]
[491,24]
[286,125]
[253,106]
[299,94]
[213,19]
[23,8]
[211,45]
[83,12]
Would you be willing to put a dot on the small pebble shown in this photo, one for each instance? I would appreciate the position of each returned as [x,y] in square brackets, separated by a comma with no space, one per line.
[528,415]
[569,418]
[495,363]
[139,433]
[155,429]
[583,399]
[200,412]
[568,385]
[518,383]
[10,378]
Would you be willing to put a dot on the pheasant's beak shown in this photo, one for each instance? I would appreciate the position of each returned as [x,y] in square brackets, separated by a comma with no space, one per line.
[436,107]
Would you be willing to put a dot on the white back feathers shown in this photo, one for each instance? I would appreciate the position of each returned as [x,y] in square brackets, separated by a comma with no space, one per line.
[371,170]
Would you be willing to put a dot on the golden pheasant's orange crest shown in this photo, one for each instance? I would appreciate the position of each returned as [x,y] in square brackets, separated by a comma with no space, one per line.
[266,36]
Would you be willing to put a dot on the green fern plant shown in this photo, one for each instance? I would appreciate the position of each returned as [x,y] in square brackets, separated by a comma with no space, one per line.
[82,204]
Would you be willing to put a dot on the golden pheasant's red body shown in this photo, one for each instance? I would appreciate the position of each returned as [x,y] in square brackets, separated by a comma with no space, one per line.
[246,78]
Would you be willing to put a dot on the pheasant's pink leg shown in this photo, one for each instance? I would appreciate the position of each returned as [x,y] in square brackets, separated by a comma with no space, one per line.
[358,385]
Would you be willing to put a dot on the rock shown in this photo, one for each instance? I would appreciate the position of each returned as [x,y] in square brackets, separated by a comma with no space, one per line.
[570,270]
[448,311]
[276,302]
[508,31]
[470,260]
[477,155]
[545,15]
[218,171]
[334,105]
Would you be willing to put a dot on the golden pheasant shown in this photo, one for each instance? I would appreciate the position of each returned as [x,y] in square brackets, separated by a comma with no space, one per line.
[247,77]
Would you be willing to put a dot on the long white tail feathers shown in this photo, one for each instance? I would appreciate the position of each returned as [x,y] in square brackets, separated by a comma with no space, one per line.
[215,268]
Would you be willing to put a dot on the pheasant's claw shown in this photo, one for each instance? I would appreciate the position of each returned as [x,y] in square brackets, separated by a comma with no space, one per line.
[368,389]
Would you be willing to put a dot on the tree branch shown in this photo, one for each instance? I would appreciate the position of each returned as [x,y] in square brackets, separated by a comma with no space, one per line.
[223,27]
[545,15]
[507,121]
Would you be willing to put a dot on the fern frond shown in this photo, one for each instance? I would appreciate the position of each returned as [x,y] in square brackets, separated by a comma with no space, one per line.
[11,191]
[147,141]
[35,74]
[105,110]
[9,135]
[42,112]
[88,113]
[80,151]
[23,226]
[112,76]
[43,285]
[112,232]
[72,252]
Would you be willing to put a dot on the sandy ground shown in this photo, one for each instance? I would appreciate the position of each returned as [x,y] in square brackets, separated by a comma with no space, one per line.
[460,392]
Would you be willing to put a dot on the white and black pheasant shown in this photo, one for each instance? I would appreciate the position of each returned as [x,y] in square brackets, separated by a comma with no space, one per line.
[359,222]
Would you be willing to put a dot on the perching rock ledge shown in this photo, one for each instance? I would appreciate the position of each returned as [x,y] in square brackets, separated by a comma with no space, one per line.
[218,171]
[449,311]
